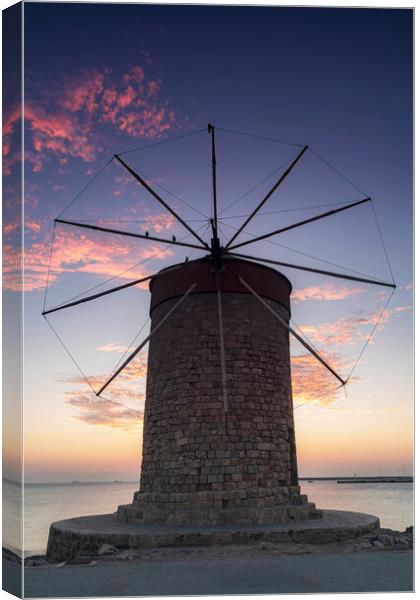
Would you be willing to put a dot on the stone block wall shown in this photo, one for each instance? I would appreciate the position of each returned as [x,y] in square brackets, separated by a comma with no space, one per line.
[201,464]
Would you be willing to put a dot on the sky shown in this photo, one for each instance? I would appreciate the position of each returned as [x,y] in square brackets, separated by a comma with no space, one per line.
[107,79]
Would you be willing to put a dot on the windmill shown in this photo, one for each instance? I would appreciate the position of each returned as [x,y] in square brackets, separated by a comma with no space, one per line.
[216,448]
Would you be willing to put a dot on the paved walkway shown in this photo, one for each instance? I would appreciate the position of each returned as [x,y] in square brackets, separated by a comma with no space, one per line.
[358,572]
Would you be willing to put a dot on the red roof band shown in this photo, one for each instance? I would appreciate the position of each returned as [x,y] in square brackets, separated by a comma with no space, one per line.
[266,282]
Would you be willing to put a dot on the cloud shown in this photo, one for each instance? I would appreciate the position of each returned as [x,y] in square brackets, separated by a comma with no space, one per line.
[312,382]
[125,409]
[11,128]
[75,253]
[327,292]
[59,133]
[66,124]
[346,330]
[113,347]
[106,413]
[399,309]
[66,121]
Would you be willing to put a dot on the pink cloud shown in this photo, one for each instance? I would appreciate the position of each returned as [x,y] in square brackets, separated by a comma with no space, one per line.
[114,347]
[75,253]
[11,119]
[399,309]
[6,148]
[106,413]
[328,292]
[10,227]
[33,226]
[84,93]
[135,74]
[124,411]
[65,122]
[311,381]
[349,330]
[59,133]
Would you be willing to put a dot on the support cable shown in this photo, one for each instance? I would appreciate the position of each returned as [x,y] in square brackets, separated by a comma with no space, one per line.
[49,267]
[174,139]
[257,185]
[337,172]
[159,185]
[382,241]
[371,334]
[85,187]
[70,355]
[260,137]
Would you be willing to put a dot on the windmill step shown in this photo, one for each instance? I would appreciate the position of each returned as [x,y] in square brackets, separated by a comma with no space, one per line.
[84,536]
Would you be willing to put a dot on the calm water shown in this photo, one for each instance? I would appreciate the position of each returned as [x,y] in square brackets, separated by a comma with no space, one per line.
[45,503]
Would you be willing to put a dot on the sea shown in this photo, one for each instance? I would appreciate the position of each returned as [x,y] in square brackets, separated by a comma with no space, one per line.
[46,503]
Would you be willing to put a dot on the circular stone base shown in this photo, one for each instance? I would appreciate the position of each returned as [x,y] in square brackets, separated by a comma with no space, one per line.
[84,536]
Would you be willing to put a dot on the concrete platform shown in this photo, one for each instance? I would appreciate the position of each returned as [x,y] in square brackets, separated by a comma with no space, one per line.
[83,536]
[304,574]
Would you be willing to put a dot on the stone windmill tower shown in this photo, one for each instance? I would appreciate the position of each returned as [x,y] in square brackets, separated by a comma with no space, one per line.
[219,443]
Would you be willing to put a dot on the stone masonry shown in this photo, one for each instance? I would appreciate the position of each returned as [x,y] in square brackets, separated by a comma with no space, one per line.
[202,465]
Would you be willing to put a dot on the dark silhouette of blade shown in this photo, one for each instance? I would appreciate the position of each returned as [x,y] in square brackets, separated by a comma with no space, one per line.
[160,200]
[144,342]
[313,270]
[300,223]
[267,196]
[128,233]
[293,332]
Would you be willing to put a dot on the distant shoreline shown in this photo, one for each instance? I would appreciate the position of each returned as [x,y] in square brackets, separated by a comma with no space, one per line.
[364,479]
[339,478]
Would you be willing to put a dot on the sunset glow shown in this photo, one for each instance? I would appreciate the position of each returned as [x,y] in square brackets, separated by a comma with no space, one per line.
[88,102]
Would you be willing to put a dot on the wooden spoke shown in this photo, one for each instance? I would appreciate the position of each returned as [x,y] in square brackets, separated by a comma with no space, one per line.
[292,331]
[160,200]
[104,293]
[313,270]
[267,196]
[299,224]
[144,342]
[98,295]
[213,165]
[129,234]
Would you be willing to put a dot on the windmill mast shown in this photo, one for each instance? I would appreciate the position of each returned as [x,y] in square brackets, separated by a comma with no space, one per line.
[216,249]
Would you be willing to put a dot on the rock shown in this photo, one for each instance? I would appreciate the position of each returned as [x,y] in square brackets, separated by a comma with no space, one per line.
[387,539]
[364,544]
[107,549]
[266,546]
[12,556]
[36,561]
[401,546]
[378,544]
[81,561]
